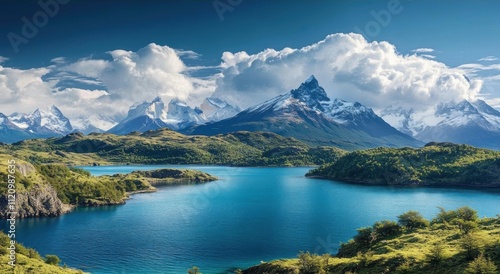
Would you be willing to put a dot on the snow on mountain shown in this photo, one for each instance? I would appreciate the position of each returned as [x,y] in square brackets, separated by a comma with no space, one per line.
[216,109]
[92,123]
[180,115]
[154,115]
[314,97]
[473,123]
[43,121]
[154,110]
[306,113]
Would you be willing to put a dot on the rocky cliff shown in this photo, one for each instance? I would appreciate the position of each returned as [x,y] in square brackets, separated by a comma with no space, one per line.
[39,201]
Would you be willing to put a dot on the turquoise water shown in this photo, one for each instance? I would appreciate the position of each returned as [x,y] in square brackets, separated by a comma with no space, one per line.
[250,215]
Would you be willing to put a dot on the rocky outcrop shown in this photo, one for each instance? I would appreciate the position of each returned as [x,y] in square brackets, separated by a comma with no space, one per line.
[39,201]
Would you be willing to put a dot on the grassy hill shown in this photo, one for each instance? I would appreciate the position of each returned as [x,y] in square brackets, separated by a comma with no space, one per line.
[49,189]
[436,164]
[165,146]
[454,242]
[29,261]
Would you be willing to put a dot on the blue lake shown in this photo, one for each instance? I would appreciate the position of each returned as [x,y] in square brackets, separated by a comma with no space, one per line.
[250,215]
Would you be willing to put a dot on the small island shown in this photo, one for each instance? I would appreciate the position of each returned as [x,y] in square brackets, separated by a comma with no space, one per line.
[436,164]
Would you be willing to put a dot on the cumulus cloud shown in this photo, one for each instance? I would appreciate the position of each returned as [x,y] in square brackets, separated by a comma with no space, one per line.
[93,87]
[348,67]
[136,76]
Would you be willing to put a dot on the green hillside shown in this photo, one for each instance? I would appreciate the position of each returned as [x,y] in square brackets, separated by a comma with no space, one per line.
[29,261]
[169,147]
[454,242]
[436,164]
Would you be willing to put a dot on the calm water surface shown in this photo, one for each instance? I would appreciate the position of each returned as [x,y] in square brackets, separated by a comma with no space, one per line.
[251,214]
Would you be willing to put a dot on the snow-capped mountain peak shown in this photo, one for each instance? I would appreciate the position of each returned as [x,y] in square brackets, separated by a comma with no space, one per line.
[311,93]
[461,122]
[216,109]
[154,110]
[180,114]
[46,121]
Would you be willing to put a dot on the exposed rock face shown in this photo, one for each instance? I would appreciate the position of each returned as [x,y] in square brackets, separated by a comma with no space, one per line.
[40,201]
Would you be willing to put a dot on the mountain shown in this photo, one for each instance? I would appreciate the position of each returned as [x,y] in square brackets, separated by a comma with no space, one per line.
[177,116]
[92,123]
[307,114]
[474,123]
[180,115]
[49,122]
[9,132]
[41,123]
[143,117]
[216,109]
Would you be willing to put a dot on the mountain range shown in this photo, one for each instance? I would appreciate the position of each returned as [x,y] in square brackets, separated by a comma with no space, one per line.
[305,113]
[466,122]
[153,115]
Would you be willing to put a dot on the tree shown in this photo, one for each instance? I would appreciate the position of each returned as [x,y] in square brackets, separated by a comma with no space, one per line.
[52,259]
[385,229]
[310,263]
[467,214]
[471,245]
[412,220]
[437,254]
[364,237]
[465,226]
[481,265]
[194,270]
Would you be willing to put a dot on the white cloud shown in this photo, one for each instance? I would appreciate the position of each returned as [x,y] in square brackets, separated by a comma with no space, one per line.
[488,59]
[428,56]
[3,59]
[117,83]
[58,60]
[423,50]
[348,67]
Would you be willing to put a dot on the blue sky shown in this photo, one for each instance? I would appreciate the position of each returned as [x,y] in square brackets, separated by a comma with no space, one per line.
[461,31]
[81,34]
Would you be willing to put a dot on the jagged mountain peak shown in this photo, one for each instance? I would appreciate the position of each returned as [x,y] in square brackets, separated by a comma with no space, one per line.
[311,93]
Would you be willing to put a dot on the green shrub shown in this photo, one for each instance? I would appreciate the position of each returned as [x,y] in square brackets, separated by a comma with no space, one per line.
[310,263]
[481,265]
[194,270]
[437,254]
[412,220]
[52,259]
[386,229]
[471,245]
[364,237]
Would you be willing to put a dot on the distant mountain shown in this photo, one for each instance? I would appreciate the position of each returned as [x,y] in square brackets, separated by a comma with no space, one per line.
[180,115]
[143,117]
[307,114]
[474,123]
[216,109]
[9,132]
[177,116]
[93,123]
[50,122]
[41,123]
